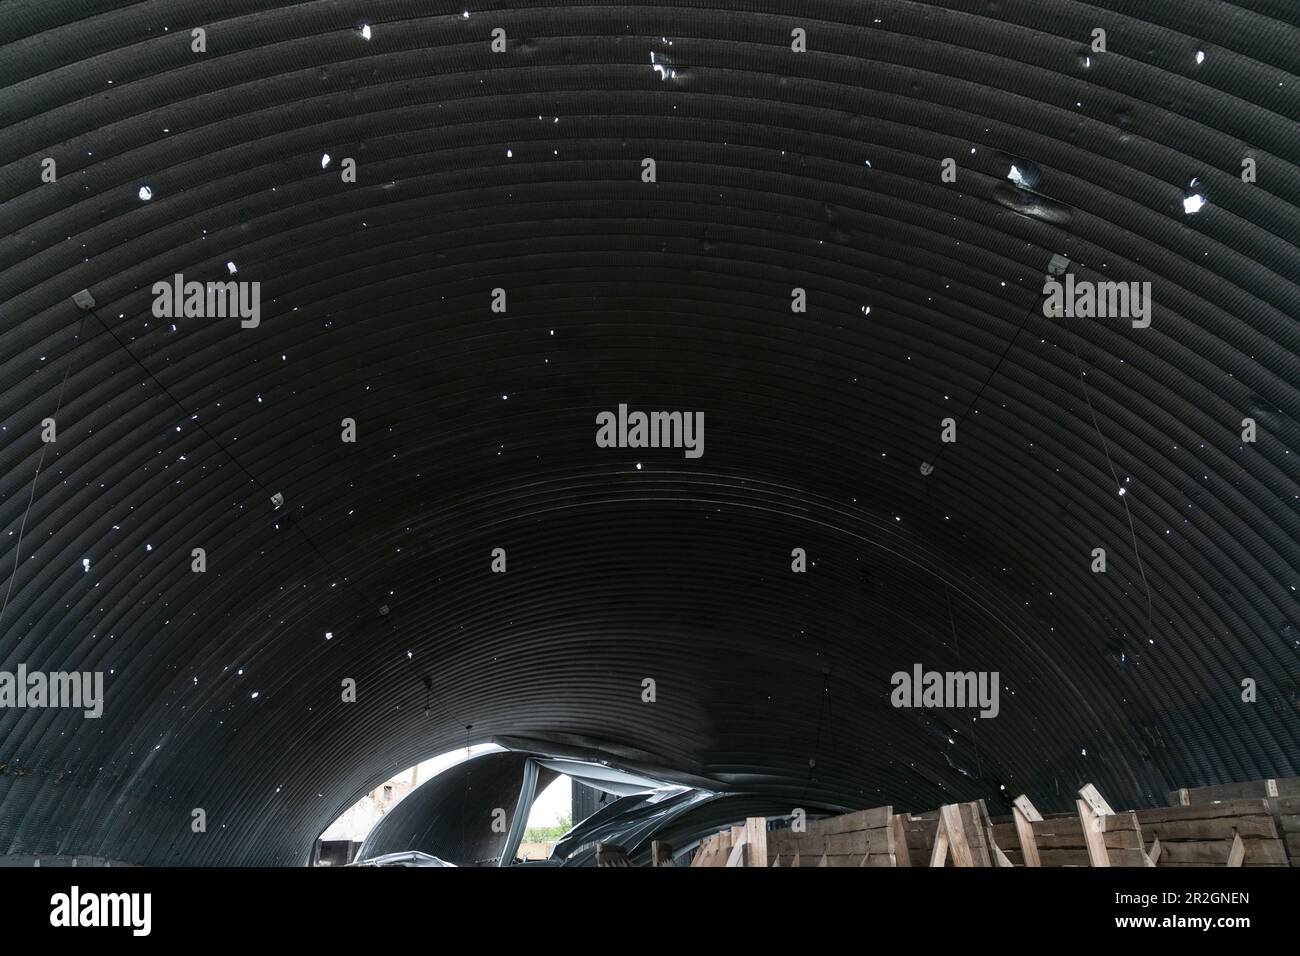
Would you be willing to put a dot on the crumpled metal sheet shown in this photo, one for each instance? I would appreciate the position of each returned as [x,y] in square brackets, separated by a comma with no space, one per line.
[450,816]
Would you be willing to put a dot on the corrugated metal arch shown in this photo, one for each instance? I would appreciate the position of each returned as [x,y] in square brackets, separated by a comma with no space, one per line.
[521,171]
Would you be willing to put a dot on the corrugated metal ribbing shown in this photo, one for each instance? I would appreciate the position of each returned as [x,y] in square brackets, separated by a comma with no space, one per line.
[522,170]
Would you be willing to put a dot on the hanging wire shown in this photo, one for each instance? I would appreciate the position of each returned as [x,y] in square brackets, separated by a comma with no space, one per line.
[40,463]
[1123,497]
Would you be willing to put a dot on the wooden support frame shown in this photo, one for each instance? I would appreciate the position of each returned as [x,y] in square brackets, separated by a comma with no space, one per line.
[899,834]
[950,839]
[1025,814]
[1093,809]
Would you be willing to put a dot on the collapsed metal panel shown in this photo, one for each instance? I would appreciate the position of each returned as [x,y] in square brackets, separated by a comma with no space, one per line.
[452,816]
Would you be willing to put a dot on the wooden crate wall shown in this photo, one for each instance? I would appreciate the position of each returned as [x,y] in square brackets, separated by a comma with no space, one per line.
[861,838]
[1203,835]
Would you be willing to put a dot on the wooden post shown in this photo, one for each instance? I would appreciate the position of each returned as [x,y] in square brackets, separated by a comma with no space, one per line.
[901,856]
[1092,810]
[955,831]
[1025,813]
[661,854]
[756,839]
[737,856]
[939,852]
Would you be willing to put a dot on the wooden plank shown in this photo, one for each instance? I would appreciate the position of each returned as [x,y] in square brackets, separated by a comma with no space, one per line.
[1023,814]
[1000,858]
[1095,800]
[1222,828]
[1027,809]
[756,839]
[704,851]
[939,854]
[1134,858]
[1237,854]
[1124,820]
[1154,853]
[661,854]
[1223,793]
[858,841]
[857,820]
[863,841]
[958,839]
[922,822]
[1055,826]
[1123,840]
[1077,857]
[1217,852]
[901,855]
[975,818]
[737,856]
[1090,819]
[1233,808]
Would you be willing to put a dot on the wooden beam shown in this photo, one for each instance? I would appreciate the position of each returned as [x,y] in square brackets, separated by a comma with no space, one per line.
[955,830]
[1030,812]
[701,851]
[1025,813]
[939,852]
[901,855]
[756,839]
[1153,854]
[1094,832]
[999,858]
[1095,800]
[737,857]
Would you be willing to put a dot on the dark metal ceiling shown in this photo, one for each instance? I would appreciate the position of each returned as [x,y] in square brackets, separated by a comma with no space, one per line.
[521,170]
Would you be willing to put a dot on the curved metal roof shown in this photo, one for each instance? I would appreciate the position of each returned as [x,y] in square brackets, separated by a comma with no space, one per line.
[522,171]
